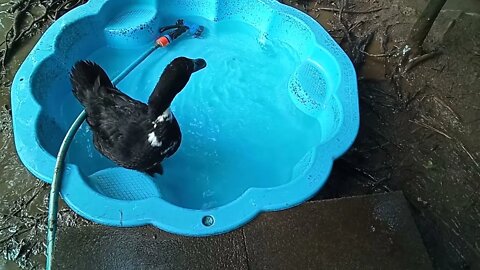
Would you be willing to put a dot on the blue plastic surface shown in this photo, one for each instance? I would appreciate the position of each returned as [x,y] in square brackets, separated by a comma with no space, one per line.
[261,124]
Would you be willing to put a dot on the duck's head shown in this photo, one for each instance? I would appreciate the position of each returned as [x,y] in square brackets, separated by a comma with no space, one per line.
[177,74]
[186,65]
[173,79]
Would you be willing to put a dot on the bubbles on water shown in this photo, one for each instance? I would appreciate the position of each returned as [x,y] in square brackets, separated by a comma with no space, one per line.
[262,39]
[208,193]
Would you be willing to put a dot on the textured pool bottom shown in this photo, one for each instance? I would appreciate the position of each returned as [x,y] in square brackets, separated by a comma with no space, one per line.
[261,124]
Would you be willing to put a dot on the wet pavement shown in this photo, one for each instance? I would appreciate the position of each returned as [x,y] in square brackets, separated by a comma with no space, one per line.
[367,232]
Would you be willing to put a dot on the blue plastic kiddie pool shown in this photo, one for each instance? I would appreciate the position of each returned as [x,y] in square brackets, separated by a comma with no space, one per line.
[261,124]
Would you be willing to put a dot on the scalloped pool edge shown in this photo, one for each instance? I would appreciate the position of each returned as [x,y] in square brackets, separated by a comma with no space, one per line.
[175,219]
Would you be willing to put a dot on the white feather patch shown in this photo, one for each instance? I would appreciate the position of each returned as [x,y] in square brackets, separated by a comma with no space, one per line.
[165,116]
[153,140]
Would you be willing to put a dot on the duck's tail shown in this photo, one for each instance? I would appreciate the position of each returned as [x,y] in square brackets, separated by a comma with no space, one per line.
[87,79]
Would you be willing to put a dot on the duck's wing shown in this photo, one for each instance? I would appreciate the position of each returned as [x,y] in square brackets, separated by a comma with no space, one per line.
[94,89]
[117,121]
[111,104]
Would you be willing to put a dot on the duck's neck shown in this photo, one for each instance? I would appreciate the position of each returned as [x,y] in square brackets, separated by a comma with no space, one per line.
[171,82]
[159,101]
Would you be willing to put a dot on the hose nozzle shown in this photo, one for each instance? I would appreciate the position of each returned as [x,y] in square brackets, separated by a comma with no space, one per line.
[177,30]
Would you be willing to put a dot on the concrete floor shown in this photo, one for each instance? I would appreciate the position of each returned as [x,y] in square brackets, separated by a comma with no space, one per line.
[367,232]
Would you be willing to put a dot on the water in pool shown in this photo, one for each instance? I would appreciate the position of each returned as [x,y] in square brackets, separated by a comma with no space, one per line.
[240,127]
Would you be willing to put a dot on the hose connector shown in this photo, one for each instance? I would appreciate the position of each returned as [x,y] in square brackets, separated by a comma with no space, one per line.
[177,30]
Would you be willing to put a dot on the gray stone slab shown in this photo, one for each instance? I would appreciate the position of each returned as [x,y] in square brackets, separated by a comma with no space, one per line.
[369,232]
[99,247]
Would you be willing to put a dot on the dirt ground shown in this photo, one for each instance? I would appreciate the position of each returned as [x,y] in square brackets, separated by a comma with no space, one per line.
[419,129]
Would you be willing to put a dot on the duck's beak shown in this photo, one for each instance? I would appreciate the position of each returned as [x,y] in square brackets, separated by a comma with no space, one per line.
[198,64]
